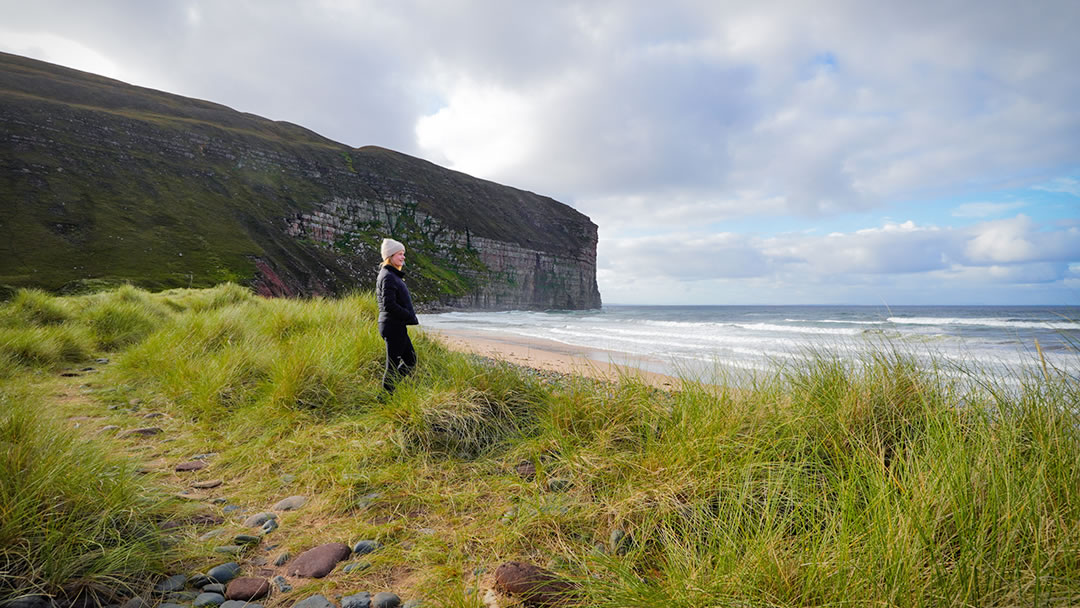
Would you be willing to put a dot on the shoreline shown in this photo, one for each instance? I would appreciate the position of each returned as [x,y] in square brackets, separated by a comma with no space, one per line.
[552,356]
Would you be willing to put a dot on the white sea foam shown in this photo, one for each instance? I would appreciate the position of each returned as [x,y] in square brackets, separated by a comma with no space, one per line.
[987,322]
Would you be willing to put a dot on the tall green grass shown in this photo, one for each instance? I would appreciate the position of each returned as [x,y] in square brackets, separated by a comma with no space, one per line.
[871,483]
[76,524]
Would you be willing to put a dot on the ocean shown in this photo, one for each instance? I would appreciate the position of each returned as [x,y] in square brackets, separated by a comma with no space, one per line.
[710,342]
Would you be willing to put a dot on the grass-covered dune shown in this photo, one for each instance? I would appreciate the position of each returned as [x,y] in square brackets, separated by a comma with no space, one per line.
[871,485]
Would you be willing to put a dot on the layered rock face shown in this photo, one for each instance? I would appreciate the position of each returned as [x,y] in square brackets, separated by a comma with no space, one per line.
[105,182]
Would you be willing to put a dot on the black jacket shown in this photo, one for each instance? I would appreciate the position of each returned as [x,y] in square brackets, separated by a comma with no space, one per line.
[395,303]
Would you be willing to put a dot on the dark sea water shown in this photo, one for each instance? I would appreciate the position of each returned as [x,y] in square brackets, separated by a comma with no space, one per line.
[705,341]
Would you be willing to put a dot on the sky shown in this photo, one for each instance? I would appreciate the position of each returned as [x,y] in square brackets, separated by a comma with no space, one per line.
[731,152]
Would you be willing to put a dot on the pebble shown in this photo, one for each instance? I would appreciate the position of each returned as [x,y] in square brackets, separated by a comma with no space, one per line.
[269,526]
[193,465]
[152,415]
[317,562]
[143,432]
[246,539]
[281,584]
[229,549]
[109,428]
[225,572]
[214,588]
[182,597]
[175,582]
[290,504]
[557,484]
[31,601]
[204,456]
[240,604]
[206,485]
[282,559]
[170,605]
[619,541]
[315,601]
[366,500]
[288,478]
[208,599]
[102,360]
[365,546]
[356,567]
[413,604]
[385,599]
[219,501]
[359,600]
[248,588]
[200,580]
[135,602]
[259,519]
[230,508]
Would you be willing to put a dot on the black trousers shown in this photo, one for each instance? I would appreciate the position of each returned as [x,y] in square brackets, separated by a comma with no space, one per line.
[400,356]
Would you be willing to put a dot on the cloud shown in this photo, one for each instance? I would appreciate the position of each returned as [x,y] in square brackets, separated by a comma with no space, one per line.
[985,209]
[1013,251]
[1066,185]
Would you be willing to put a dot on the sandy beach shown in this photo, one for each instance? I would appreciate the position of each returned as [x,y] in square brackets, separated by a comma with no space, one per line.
[552,356]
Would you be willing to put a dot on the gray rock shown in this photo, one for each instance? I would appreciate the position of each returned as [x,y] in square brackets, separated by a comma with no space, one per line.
[557,484]
[143,432]
[269,526]
[259,519]
[366,500]
[208,599]
[364,547]
[385,599]
[135,602]
[171,605]
[219,500]
[240,604]
[317,562]
[214,588]
[204,456]
[281,584]
[211,534]
[175,582]
[619,541]
[230,508]
[207,485]
[290,504]
[360,600]
[224,573]
[356,567]
[246,539]
[182,597]
[315,601]
[282,559]
[229,549]
[200,580]
[31,601]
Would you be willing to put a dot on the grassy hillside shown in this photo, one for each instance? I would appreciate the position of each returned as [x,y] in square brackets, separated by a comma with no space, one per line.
[830,485]
[103,183]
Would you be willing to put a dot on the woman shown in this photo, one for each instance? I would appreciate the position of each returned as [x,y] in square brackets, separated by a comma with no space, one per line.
[395,314]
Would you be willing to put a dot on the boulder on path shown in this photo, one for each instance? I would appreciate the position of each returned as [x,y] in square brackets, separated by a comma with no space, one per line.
[247,588]
[319,561]
[533,584]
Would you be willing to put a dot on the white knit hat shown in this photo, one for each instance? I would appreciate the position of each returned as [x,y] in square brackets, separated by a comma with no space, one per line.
[390,247]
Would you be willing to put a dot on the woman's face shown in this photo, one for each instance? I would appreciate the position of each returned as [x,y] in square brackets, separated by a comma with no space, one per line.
[398,259]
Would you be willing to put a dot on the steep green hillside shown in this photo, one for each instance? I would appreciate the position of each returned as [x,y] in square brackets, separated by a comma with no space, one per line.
[103,182]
